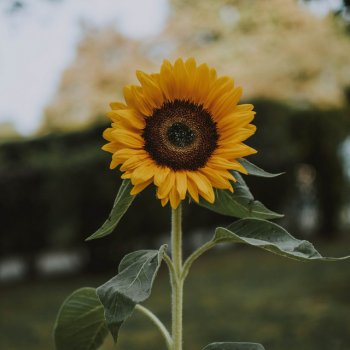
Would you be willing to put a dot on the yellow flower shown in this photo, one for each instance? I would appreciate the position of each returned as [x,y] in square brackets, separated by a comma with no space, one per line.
[182,130]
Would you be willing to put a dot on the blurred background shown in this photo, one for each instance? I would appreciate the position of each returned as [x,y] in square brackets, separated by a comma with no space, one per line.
[63,61]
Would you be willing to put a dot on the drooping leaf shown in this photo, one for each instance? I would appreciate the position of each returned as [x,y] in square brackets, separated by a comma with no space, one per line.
[255,170]
[271,237]
[132,285]
[80,324]
[121,204]
[234,346]
[240,203]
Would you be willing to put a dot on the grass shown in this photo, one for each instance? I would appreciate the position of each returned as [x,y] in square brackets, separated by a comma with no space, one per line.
[231,295]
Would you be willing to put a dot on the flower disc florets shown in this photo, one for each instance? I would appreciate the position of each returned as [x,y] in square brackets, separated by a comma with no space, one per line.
[182,130]
[180,135]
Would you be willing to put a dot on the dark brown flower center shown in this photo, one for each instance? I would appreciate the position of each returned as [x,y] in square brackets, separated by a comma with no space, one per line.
[181,135]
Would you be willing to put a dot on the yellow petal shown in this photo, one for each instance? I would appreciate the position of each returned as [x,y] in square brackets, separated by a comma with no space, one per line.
[151,89]
[126,175]
[143,172]
[166,186]
[181,79]
[174,198]
[167,80]
[134,162]
[114,163]
[128,138]
[129,116]
[244,108]
[221,86]
[160,175]
[204,186]
[212,76]
[181,184]
[224,164]
[236,135]
[110,147]
[134,98]
[216,180]
[126,153]
[164,201]
[107,134]
[191,69]
[250,127]
[226,103]
[227,175]
[190,65]
[234,150]
[192,189]
[201,82]
[118,105]
[235,120]
[140,187]
[129,97]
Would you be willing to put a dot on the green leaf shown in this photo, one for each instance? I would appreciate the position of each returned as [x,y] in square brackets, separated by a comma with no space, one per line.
[132,285]
[240,203]
[80,324]
[271,237]
[234,346]
[255,170]
[121,204]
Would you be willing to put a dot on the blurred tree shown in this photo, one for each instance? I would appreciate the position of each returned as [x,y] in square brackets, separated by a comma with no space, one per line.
[285,53]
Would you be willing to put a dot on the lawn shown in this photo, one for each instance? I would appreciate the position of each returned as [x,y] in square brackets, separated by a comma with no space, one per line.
[231,295]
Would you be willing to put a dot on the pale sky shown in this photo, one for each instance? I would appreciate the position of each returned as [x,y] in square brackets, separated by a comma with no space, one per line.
[38,41]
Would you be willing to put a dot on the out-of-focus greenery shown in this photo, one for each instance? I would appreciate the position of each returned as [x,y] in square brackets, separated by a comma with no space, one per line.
[289,136]
[57,190]
[235,294]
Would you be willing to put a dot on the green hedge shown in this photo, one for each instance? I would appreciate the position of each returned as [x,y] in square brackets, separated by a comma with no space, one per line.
[56,190]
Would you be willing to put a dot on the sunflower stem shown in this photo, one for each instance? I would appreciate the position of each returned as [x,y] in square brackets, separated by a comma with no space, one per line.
[170,265]
[177,281]
[194,256]
[157,323]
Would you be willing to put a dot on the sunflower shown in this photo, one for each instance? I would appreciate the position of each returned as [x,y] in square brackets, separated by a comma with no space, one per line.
[181,129]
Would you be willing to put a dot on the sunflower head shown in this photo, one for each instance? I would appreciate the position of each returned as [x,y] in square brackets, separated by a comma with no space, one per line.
[181,129]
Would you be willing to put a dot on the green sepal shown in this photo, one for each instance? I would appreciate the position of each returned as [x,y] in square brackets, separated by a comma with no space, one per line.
[255,170]
[234,346]
[240,203]
[80,323]
[271,237]
[132,285]
[121,204]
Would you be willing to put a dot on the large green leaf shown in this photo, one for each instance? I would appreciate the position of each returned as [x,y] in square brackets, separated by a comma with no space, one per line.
[121,204]
[240,203]
[255,170]
[80,324]
[132,285]
[269,236]
[234,346]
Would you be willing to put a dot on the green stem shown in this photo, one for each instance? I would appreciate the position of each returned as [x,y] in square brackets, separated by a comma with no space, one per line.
[195,255]
[170,265]
[158,324]
[177,281]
